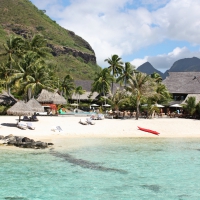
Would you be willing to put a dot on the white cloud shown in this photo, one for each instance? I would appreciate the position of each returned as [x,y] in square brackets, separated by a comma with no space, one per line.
[113,28]
[165,61]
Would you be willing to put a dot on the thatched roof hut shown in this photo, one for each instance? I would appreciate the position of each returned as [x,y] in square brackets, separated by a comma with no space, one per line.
[51,97]
[6,99]
[20,109]
[58,99]
[183,82]
[35,105]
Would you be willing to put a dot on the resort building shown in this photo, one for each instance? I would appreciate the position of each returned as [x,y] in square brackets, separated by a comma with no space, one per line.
[183,85]
[88,95]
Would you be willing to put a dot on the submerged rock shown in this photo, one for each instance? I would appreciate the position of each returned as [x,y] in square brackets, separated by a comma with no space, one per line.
[23,142]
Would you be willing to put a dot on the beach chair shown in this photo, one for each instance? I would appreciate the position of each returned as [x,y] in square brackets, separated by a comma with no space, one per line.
[26,118]
[56,129]
[59,128]
[22,125]
[89,121]
[34,118]
[83,122]
[100,116]
[30,126]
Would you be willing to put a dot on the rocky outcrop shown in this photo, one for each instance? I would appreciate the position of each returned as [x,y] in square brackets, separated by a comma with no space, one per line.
[23,142]
[59,50]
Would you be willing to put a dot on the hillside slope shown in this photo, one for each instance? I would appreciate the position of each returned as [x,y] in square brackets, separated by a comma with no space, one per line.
[72,54]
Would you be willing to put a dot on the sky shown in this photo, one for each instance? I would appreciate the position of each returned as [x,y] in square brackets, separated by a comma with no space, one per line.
[156,31]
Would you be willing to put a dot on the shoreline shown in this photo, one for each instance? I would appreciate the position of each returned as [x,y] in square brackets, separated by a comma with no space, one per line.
[106,128]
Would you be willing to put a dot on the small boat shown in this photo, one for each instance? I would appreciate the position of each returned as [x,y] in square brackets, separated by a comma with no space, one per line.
[148,130]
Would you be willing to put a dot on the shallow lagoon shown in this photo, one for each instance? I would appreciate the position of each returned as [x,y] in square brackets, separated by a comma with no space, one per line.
[103,168]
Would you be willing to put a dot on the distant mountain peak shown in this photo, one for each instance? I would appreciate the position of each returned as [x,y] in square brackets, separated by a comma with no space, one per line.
[149,69]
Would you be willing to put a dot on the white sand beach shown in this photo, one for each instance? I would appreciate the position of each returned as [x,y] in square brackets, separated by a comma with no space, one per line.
[167,127]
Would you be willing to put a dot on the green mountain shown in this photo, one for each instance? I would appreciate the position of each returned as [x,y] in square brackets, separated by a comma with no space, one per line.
[71,53]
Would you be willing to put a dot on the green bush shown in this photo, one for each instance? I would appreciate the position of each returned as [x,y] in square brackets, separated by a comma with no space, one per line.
[3,110]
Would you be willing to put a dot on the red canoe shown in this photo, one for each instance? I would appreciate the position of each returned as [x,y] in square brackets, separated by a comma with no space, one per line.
[148,130]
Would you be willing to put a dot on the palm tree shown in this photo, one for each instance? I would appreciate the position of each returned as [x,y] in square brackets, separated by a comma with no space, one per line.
[198,108]
[102,82]
[190,105]
[38,45]
[67,86]
[115,65]
[141,85]
[127,73]
[156,77]
[118,98]
[13,49]
[79,91]
[32,75]
[5,75]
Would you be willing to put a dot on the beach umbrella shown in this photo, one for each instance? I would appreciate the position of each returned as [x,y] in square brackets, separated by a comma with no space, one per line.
[95,105]
[35,105]
[176,106]
[144,105]
[106,105]
[74,104]
[20,109]
[159,106]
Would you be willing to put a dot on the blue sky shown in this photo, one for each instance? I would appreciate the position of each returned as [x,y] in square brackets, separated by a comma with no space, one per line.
[158,31]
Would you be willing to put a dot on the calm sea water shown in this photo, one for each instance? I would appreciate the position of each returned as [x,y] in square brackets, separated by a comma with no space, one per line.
[95,169]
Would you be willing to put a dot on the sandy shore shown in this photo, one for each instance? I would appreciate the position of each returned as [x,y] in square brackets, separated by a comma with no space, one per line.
[167,127]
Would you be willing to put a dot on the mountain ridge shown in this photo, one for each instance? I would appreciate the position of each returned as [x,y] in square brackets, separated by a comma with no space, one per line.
[181,65]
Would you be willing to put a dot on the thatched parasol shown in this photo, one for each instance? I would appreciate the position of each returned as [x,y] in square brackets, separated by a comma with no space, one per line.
[35,105]
[20,109]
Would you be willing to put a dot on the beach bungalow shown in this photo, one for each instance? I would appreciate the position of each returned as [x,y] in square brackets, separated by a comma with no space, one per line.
[51,99]
[183,85]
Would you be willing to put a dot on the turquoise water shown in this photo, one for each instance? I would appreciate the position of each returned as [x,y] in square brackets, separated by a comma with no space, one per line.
[94,169]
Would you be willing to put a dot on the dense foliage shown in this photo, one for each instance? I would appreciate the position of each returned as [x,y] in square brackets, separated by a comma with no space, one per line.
[22,18]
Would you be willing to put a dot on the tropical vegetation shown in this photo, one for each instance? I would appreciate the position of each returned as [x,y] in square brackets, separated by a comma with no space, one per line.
[27,71]
[22,18]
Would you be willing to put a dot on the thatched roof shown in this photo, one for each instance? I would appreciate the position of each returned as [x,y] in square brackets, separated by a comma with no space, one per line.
[58,99]
[183,82]
[86,96]
[45,97]
[35,105]
[87,85]
[20,109]
[197,96]
[51,97]
[6,99]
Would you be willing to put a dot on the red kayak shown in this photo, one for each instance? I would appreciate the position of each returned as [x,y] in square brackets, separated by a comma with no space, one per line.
[148,130]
